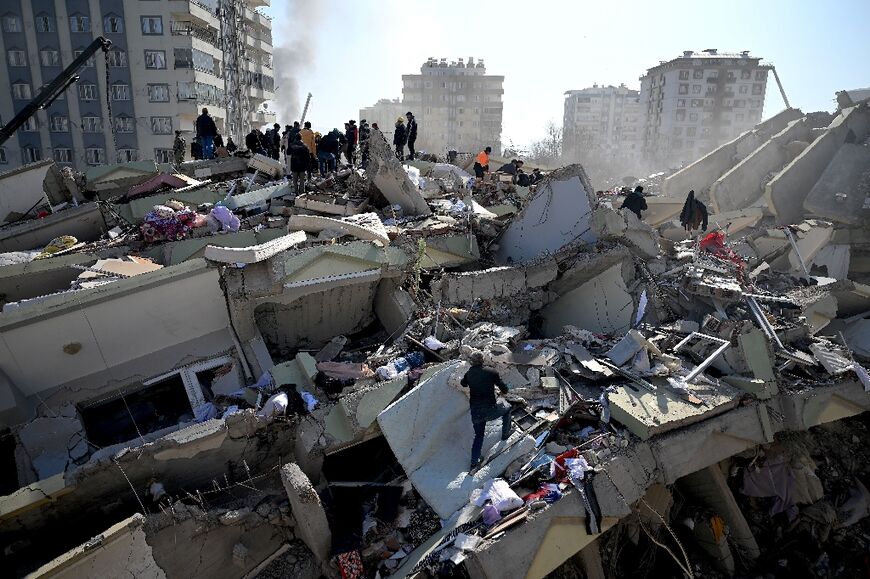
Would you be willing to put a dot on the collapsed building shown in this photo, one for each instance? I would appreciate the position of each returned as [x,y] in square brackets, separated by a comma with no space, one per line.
[211,375]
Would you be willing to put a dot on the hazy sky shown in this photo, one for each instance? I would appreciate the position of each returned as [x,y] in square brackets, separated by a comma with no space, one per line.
[350,53]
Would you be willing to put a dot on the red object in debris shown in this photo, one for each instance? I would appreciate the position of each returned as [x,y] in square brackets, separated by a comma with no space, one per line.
[42,214]
[559,464]
[713,241]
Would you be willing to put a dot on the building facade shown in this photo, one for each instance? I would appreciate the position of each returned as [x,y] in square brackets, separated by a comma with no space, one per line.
[457,105]
[601,120]
[384,113]
[694,103]
[166,63]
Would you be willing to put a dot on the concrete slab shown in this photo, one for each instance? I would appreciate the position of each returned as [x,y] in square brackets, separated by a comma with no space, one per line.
[837,194]
[557,215]
[311,523]
[84,222]
[318,223]
[299,372]
[601,305]
[387,174]
[254,253]
[647,414]
[429,430]
[21,190]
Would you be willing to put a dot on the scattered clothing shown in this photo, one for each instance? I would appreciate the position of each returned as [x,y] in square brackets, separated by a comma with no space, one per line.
[635,203]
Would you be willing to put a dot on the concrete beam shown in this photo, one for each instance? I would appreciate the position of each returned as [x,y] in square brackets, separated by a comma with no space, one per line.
[254,253]
[318,223]
[311,523]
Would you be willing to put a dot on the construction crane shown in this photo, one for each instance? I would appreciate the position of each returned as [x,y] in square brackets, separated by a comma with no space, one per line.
[305,110]
[54,89]
[781,90]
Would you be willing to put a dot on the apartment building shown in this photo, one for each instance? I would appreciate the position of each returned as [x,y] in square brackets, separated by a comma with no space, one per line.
[166,63]
[458,106]
[700,100]
[384,113]
[602,121]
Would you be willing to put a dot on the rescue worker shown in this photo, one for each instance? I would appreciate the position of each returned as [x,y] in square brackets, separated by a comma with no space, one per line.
[635,202]
[300,163]
[400,137]
[178,147]
[483,404]
[307,136]
[206,131]
[481,163]
[351,133]
[412,135]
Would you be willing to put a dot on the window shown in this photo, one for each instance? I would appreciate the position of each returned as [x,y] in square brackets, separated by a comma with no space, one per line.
[128,155]
[163,155]
[428,84]
[739,117]
[693,117]
[681,103]
[92,125]
[460,98]
[760,74]
[744,88]
[95,156]
[29,126]
[161,125]
[124,124]
[3,156]
[696,89]
[62,155]
[44,23]
[11,23]
[117,59]
[49,57]
[684,89]
[89,63]
[31,155]
[59,124]
[17,58]
[681,116]
[79,23]
[698,73]
[678,130]
[183,58]
[739,103]
[684,75]
[21,91]
[745,74]
[113,24]
[120,92]
[757,89]
[88,92]
[158,93]
[152,24]
[155,59]
[691,131]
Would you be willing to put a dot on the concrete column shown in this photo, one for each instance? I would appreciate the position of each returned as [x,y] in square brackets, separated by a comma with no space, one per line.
[308,512]
[589,559]
[710,488]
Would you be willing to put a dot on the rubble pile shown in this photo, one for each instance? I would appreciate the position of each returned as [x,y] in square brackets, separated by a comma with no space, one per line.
[176,332]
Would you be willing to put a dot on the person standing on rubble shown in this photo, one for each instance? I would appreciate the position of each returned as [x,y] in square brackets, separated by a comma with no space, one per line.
[635,202]
[412,134]
[231,146]
[400,137]
[275,142]
[694,214]
[300,163]
[206,131]
[483,404]
[365,134]
[481,163]
[178,147]
[307,136]
[351,134]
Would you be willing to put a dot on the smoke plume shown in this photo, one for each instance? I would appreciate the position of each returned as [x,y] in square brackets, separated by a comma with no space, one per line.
[294,56]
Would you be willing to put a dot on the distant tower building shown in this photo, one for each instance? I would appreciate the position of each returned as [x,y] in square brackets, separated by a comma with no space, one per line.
[601,121]
[457,105]
[384,113]
[168,60]
[694,103]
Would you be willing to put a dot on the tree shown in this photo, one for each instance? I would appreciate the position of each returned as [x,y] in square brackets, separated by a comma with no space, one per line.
[549,149]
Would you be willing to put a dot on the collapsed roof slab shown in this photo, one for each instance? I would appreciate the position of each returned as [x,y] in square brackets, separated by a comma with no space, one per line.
[743,184]
[429,430]
[84,222]
[388,175]
[786,193]
[254,253]
[701,174]
[838,194]
[21,190]
[558,214]
[318,223]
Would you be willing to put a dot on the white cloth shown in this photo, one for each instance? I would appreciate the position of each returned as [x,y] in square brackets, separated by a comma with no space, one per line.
[499,493]
[274,406]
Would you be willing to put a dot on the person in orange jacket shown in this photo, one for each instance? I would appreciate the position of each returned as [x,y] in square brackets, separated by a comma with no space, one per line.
[481,163]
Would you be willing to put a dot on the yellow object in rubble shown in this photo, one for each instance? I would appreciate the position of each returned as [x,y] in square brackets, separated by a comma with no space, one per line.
[57,244]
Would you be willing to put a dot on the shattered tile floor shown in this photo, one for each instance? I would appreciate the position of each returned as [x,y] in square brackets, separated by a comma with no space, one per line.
[217,376]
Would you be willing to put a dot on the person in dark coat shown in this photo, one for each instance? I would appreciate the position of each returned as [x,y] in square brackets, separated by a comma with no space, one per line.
[351,134]
[400,137]
[365,133]
[274,141]
[694,214]
[206,131]
[412,134]
[299,163]
[635,202]
[231,146]
[483,404]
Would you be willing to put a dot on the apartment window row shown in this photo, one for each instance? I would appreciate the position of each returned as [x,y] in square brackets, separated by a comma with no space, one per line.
[51,57]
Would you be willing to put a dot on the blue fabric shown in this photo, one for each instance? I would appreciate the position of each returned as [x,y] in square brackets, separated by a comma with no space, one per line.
[207,147]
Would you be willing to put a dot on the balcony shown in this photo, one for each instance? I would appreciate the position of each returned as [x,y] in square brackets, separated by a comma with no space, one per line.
[258,3]
[258,18]
[200,12]
[259,41]
[189,28]
[263,117]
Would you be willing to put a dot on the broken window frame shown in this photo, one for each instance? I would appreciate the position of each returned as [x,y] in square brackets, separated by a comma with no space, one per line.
[192,385]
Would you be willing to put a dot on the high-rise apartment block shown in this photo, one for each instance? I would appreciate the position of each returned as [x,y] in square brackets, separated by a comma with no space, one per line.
[168,60]
[457,105]
[694,103]
[601,121]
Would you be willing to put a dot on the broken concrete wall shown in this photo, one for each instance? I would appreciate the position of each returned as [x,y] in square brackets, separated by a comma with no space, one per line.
[394,307]
[556,216]
[493,283]
[386,172]
[21,190]
[786,193]
[41,277]
[744,183]
[837,194]
[73,347]
[84,222]
[311,523]
[701,174]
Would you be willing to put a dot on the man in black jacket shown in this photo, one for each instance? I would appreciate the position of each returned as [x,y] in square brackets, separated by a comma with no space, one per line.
[400,137]
[206,131]
[483,404]
[412,134]
[635,202]
[351,134]
[299,164]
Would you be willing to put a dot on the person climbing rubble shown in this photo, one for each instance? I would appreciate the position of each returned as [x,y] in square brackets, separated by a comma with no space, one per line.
[481,163]
[694,214]
[484,406]
[635,202]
